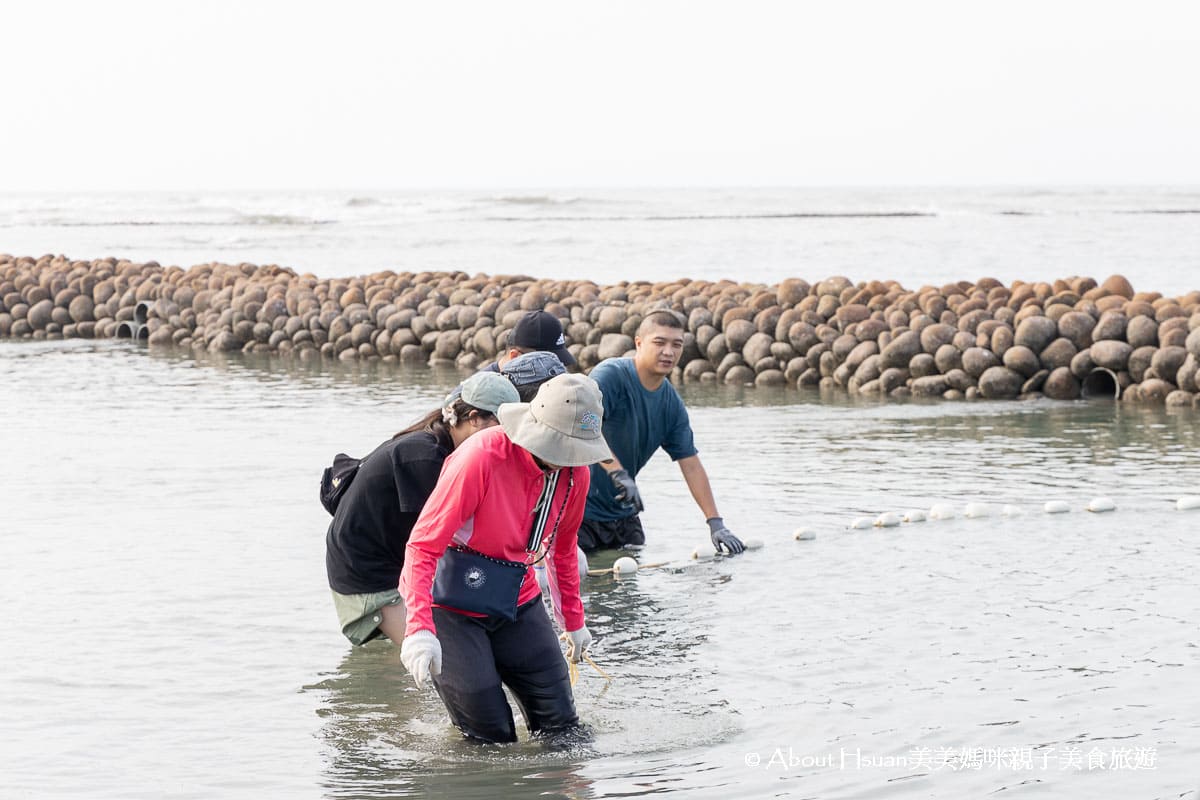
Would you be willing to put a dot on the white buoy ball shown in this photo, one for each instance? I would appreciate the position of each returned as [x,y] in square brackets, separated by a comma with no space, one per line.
[1098,505]
[804,534]
[941,511]
[1010,511]
[914,515]
[1056,507]
[753,544]
[887,519]
[1189,503]
[977,511]
[703,552]
[583,565]
[625,566]
[860,523]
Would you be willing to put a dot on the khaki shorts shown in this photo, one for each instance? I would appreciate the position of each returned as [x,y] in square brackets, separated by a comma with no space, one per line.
[360,614]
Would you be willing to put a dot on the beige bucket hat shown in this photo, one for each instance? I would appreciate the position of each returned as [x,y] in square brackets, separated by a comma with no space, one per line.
[562,426]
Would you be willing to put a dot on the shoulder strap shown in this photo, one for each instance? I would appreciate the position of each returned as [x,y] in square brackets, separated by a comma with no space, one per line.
[543,512]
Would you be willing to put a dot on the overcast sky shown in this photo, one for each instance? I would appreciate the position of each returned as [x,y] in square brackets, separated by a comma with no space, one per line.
[398,95]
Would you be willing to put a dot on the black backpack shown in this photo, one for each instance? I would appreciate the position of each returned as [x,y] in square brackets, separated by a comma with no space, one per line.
[336,479]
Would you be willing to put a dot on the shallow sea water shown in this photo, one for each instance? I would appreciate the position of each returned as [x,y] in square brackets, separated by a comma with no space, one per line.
[168,630]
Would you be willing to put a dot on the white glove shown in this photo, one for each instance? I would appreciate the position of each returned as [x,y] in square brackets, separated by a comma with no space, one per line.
[579,641]
[422,655]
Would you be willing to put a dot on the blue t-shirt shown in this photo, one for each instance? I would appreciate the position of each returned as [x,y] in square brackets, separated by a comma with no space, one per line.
[636,423]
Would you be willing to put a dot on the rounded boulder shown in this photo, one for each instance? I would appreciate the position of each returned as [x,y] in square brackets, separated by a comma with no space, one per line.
[1192,343]
[757,347]
[1000,383]
[947,357]
[1111,354]
[1077,327]
[1168,360]
[977,360]
[738,332]
[1061,384]
[1118,285]
[1111,325]
[900,350]
[615,345]
[1142,332]
[1155,390]
[936,335]
[1035,333]
[1082,364]
[1022,359]
[82,309]
[1058,353]
[1139,361]
[1001,339]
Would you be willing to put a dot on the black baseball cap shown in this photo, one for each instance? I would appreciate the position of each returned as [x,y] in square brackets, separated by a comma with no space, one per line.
[539,330]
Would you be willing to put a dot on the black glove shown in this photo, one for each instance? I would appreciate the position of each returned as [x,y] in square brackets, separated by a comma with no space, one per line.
[722,537]
[627,491]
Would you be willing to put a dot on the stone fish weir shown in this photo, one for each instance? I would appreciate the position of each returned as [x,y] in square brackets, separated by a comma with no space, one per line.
[1062,340]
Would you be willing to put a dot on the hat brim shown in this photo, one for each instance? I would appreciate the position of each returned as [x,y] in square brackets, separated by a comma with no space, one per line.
[548,444]
[564,355]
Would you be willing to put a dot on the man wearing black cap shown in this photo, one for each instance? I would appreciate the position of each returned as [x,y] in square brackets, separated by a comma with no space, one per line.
[537,330]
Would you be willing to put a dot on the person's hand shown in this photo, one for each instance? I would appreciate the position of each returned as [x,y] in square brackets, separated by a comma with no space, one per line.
[578,643]
[722,537]
[422,656]
[627,491]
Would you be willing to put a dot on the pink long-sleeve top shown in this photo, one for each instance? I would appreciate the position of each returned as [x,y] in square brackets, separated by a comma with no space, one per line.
[485,499]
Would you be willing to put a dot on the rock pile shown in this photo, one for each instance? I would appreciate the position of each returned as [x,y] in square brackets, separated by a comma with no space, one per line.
[959,341]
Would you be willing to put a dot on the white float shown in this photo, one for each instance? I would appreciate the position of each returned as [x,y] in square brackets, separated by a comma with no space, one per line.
[753,544]
[1098,505]
[703,553]
[804,534]
[977,511]
[942,511]
[1010,511]
[1056,507]
[625,565]
[887,519]
[860,523]
[914,515]
[1189,503]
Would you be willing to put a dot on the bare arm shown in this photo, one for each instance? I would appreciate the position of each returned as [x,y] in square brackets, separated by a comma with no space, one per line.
[697,482]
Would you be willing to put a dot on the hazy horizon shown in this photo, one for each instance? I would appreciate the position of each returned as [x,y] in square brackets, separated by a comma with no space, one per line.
[270,96]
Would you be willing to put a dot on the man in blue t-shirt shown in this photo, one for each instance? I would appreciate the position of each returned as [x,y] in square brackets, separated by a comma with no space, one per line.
[643,412]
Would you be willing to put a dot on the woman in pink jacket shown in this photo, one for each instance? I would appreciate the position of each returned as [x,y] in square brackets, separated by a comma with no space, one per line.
[511,494]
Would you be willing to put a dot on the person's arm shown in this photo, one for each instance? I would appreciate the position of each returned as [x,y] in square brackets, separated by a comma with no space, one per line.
[624,487]
[453,501]
[563,572]
[697,480]
[611,466]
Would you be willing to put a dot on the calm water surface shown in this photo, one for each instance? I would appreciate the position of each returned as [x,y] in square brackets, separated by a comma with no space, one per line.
[168,630]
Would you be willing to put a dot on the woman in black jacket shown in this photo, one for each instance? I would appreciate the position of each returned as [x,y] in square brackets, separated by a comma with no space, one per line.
[364,548]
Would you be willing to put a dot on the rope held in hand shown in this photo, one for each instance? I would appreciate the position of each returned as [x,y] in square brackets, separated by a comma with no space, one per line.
[573,668]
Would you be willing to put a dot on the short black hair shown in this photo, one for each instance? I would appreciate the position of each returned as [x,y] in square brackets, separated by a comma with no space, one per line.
[527,391]
[663,317]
